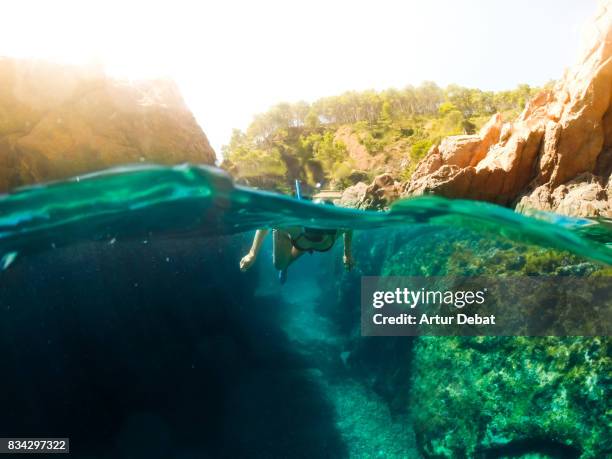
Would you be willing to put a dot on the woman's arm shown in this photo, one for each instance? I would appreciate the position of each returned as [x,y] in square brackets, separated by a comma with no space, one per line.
[260,235]
[250,257]
[347,259]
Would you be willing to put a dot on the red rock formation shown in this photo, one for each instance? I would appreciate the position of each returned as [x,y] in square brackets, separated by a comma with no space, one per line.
[377,196]
[58,121]
[391,158]
[357,152]
[352,196]
[556,156]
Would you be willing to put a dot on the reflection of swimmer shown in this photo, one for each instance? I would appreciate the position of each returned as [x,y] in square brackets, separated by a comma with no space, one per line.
[288,244]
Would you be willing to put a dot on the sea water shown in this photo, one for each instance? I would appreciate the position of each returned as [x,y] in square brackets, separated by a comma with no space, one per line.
[126,325]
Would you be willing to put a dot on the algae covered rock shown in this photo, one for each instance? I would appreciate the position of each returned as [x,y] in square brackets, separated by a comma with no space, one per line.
[543,397]
[512,396]
[437,251]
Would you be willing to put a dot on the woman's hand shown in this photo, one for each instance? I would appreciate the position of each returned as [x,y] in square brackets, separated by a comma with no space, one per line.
[348,262]
[247,261]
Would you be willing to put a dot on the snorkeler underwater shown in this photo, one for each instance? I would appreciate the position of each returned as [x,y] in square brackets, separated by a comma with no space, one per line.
[317,230]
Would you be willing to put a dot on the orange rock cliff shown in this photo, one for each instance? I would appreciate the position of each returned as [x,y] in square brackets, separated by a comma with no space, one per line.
[556,156]
[58,121]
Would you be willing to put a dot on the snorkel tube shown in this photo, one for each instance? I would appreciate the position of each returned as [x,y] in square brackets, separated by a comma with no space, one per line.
[298,191]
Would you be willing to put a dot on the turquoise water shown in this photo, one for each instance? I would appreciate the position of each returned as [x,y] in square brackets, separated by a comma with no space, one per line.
[159,202]
[126,325]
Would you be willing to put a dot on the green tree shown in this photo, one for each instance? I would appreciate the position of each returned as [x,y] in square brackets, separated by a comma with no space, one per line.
[446,107]
[419,149]
[312,121]
[328,151]
[296,140]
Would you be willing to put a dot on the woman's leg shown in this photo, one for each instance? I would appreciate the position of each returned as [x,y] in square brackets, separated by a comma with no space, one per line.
[281,249]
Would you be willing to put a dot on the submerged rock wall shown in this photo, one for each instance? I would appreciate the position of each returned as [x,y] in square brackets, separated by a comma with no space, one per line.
[58,121]
[511,397]
[556,156]
[480,397]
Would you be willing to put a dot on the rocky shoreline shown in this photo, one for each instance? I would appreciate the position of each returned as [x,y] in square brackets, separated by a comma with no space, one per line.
[58,121]
[557,156]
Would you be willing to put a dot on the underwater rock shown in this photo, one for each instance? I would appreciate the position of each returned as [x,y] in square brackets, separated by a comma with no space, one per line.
[479,397]
[504,396]
[463,252]
[562,134]
[512,396]
[58,121]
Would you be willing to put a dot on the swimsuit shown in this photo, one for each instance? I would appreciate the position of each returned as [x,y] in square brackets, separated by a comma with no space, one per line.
[314,236]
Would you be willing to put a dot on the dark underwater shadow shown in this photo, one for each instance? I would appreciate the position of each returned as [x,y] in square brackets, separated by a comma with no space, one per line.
[532,446]
[154,350]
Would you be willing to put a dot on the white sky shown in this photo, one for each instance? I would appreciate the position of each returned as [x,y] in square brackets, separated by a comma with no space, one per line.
[235,58]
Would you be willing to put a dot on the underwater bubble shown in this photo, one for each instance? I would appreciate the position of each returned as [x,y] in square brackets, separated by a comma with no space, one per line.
[8,259]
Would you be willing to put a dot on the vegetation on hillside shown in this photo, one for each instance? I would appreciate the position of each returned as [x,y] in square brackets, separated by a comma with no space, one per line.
[393,129]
